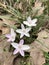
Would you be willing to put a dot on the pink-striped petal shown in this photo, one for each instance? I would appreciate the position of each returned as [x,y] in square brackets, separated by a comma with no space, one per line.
[22,52]
[8,35]
[21,42]
[8,40]
[15,51]
[25,47]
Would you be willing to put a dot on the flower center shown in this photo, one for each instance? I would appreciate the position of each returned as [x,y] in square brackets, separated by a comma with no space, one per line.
[24,30]
[19,46]
[29,22]
[12,37]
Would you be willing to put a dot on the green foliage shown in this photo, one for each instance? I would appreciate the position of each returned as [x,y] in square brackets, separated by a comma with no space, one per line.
[46,55]
[46,63]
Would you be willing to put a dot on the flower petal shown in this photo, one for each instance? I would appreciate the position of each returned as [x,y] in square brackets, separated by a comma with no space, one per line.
[19,31]
[27,34]
[25,47]
[26,23]
[15,45]
[8,35]
[34,21]
[28,29]
[22,26]
[15,51]
[22,52]
[21,42]
[33,24]
[29,19]
[12,39]
[9,40]
[12,32]
[21,35]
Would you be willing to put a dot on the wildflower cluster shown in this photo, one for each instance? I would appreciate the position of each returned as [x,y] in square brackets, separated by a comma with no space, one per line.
[19,47]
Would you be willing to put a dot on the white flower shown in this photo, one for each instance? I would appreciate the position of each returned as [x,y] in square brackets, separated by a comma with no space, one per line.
[23,31]
[30,22]
[20,48]
[11,36]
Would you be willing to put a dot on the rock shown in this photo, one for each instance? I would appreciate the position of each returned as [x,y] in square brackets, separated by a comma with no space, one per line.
[36,52]
[6,57]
